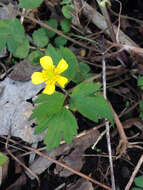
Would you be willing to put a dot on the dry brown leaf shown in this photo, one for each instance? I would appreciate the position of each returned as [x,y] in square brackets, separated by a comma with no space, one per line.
[81,184]
[80,144]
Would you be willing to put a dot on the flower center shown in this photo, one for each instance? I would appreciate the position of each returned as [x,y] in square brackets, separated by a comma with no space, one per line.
[48,75]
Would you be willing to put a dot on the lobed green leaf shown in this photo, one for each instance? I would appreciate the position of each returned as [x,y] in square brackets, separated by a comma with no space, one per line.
[54,24]
[60,41]
[94,108]
[40,37]
[140,82]
[56,55]
[65,25]
[86,89]
[42,124]
[3,159]
[48,105]
[66,10]
[30,4]
[71,59]
[34,57]
[66,2]
[18,45]
[12,34]
[139,181]
[62,125]
[4,32]
[82,72]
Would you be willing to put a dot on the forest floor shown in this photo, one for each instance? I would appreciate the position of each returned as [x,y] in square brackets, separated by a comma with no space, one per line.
[123,56]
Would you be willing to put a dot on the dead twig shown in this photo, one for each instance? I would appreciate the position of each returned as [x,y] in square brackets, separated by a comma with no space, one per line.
[119,23]
[134,173]
[123,144]
[60,33]
[125,16]
[19,162]
[106,121]
[5,70]
[107,18]
[62,165]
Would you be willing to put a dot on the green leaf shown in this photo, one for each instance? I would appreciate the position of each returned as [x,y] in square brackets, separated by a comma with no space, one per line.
[43,98]
[140,82]
[141,109]
[82,72]
[63,125]
[12,33]
[60,41]
[4,32]
[67,54]
[3,41]
[34,57]
[3,159]
[71,59]
[40,37]
[16,27]
[56,55]
[54,24]
[88,75]
[30,4]
[17,43]
[93,108]
[5,27]
[136,188]
[86,88]
[42,124]
[66,2]
[51,105]
[66,25]
[139,181]
[66,10]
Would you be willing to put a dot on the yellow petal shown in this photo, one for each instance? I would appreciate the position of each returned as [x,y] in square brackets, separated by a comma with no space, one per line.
[61,67]
[37,78]
[62,81]
[50,89]
[47,63]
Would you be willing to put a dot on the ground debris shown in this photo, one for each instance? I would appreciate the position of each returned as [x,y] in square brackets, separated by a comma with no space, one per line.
[15,110]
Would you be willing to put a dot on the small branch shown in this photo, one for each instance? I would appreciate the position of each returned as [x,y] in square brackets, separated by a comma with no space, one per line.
[106,121]
[124,141]
[124,16]
[60,33]
[97,19]
[119,21]
[102,5]
[20,163]
[63,165]
[134,173]
[22,16]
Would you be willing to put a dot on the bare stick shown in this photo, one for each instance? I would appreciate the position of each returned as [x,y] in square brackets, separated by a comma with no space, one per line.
[63,165]
[22,16]
[59,33]
[102,5]
[134,173]
[124,141]
[20,163]
[107,122]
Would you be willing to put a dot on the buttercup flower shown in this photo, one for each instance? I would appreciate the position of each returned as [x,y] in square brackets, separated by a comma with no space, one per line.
[50,74]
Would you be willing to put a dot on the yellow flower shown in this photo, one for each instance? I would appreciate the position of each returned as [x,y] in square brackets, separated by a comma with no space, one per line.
[50,74]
